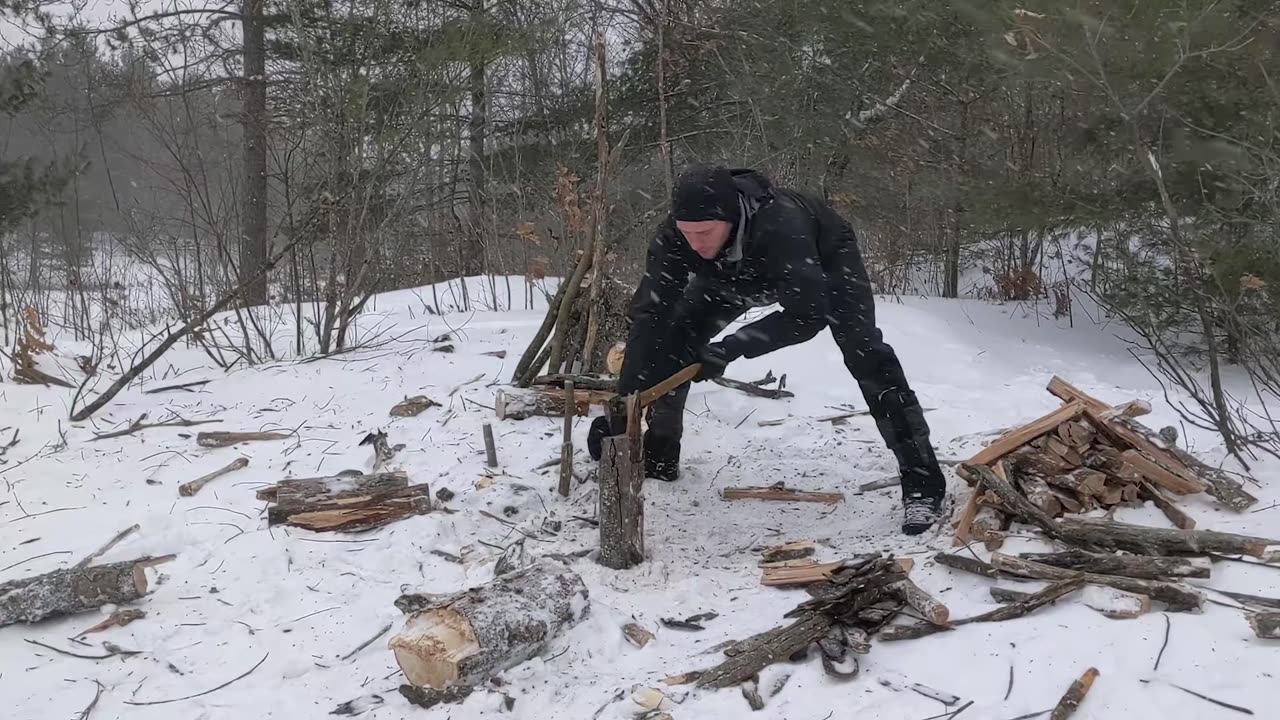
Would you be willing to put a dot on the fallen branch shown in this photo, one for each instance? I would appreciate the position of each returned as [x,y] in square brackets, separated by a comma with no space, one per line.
[1179,598]
[110,652]
[367,643]
[1012,611]
[753,389]
[97,695]
[1135,566]
[1075,695]
[206,692]
[1206,698]
[138,426]
[181,386]
[110,544]
[191,488]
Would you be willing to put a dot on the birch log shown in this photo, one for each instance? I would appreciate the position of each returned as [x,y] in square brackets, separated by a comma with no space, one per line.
[468,637]
[72,590]
[1161,541]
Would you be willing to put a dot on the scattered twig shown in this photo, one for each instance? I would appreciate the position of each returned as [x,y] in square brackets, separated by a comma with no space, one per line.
[186,387]
[138,426]
[110,544]
[368,642]
[1206,698]
[84,714]
[1009,692]
[111,651]
[37,557]
[1167,626]
[206,692]
[191,488]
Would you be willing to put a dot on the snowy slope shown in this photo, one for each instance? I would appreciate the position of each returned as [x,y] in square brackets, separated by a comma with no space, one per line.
[238,593]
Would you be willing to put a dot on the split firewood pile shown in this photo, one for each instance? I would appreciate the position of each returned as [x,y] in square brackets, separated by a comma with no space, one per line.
[1084,456]
[351,502]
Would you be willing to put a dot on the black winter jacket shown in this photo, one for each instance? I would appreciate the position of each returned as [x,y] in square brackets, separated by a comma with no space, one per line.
[778,251]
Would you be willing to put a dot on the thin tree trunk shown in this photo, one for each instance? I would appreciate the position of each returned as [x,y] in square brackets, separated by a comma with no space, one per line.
[253,240]
[599,204]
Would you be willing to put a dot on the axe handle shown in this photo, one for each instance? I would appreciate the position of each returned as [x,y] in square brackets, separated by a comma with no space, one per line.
[648,397]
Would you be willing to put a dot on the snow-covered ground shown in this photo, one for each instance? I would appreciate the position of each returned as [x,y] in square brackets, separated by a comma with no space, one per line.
[299,602]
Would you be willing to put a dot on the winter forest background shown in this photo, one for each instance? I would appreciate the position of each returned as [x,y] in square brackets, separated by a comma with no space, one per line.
[157,158]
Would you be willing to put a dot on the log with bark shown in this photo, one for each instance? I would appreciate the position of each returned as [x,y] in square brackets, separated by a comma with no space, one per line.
[1180,519]
[1142,567]
[620,502]
[468,637]
[1178,598]
[346,503]
[74,590]
[1013,500]
[1161,541]
[522,403]
[924,603]
[580,382]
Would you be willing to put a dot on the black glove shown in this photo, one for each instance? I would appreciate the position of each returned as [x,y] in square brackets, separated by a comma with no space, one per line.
[602,428]
[714,358]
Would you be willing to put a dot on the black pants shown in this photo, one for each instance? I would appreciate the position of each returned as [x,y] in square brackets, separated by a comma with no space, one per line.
[705,310]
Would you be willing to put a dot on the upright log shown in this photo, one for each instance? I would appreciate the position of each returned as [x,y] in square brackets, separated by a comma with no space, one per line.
[466,638]
[566,445]
[621,497]
[73,590]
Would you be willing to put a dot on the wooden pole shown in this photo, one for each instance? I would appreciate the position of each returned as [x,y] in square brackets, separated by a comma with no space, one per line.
[566,447]
[490,450]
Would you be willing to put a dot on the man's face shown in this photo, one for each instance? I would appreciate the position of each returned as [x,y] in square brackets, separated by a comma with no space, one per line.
[706,237]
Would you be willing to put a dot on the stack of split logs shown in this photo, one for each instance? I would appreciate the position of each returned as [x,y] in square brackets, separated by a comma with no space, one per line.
[1084,456]
[351,502]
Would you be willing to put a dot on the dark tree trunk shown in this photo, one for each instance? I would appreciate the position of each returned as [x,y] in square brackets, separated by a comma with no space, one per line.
[253,239]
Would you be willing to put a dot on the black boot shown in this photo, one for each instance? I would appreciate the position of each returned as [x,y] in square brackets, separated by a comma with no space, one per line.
[661,457]
[901,422]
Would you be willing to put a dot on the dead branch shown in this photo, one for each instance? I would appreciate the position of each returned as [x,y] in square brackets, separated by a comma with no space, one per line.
[753,389]
[191,488]
[110,544]
[186,387]
[206,692]
[138,426]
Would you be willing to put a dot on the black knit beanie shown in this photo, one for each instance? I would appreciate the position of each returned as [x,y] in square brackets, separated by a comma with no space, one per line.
[705,193]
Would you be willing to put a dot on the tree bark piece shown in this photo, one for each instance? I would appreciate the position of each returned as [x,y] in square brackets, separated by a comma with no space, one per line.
[227,439]
[1179,598]
[1116,604]
[759,651]
[797,550]
[1266,625]
[1161,541]
[73,590]
[755,390]
[413,406]
[191,488]
[1012,611]
[490,448]
[1180,519]
[621,505]
[1020,436]
[522,403]
[468,637]
[1142,567]
[1075,695]
[928,607]
[780,492]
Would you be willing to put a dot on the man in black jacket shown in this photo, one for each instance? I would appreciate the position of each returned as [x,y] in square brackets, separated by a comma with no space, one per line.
[732,242]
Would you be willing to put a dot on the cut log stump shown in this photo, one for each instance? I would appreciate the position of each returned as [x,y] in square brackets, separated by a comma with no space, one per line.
[621,505]
[466,638]
[73,590]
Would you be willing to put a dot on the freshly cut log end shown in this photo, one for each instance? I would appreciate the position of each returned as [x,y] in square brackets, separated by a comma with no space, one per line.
[71,590]
[468,637]
[1266,625]
[1116,604]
